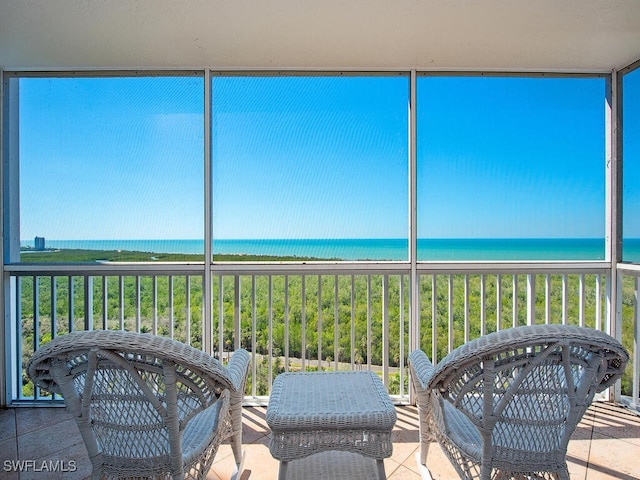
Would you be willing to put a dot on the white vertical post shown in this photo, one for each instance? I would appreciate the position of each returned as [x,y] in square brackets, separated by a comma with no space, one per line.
[5,290]
[336,315]
[514,301]
[154,295]
[105,301]
[635,393]
[254,320]
[352,324]
[613,202]
[121,302]
[565,299]
[319,324]
[171,312]
[303,321]
[547,299]
[531,299]
[466,309]
[498,302]
[10,238]
[434,319]
[138,306]
[88,302]
[385,330]
[483,307]
[414,281]
[207,291]
[450,312]
[286,323]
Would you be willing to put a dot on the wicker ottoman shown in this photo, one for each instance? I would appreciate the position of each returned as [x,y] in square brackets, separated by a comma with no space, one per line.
[310,413]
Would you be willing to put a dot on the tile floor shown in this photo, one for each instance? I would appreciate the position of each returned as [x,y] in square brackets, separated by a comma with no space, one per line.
[606,445]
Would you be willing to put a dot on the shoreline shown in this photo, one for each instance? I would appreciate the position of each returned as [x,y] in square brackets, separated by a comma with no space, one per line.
[299,250]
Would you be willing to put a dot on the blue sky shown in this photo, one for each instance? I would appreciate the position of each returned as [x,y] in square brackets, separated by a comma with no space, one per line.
[511,157]
[317,157]
[631,153]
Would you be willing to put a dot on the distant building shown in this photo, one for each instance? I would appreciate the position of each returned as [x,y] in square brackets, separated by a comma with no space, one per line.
[39,243]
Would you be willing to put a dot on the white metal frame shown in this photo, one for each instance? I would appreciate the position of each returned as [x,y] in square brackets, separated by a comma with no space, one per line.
[10,199]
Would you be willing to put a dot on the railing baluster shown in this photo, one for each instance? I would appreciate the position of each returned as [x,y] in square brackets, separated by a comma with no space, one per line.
[187,322]
[385,330]
[154,305]
[270,332]
[565,296]
[121,301]
[171,315]
[401,322]
[466,308]
[286,323]
[319,323]
[336,322]
[635,388]
[547,299]
[531,299]
[598,318]
[88,302]
[498,302]
[105,304]
[434,320]
[368,322]
[54,307]
[221,317]
[71,305]
[514,300]
[138,304]
[450,312]
[254,343]
[303,320]
[353,323]
[236,311]
[581,300]
[36,314]
[17,379]
[483,307]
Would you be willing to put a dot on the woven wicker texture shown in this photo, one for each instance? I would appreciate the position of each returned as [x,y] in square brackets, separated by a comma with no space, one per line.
[505,405]
[314,412]
[146,406]
[333,466]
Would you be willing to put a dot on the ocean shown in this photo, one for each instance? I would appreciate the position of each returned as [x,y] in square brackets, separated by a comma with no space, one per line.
[373,249]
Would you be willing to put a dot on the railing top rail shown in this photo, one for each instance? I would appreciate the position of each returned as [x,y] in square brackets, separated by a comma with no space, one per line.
[629,268]
[313,268]
[106,268]
[519,267]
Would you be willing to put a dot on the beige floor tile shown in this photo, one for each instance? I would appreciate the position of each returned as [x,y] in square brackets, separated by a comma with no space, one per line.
[606,445]
[404,473]
[30,419]
[8,423]
[46,442]
[614,457]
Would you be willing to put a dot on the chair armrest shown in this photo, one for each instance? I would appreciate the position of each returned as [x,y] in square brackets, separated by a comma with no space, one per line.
[238,367]
[421,367]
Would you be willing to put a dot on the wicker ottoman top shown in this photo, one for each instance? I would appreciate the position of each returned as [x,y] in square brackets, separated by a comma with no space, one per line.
[329,400]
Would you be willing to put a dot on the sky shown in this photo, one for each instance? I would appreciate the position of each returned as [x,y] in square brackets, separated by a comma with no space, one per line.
[319,157]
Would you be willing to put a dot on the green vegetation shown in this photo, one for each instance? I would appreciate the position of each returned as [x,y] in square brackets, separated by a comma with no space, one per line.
[92,256]
[277,320]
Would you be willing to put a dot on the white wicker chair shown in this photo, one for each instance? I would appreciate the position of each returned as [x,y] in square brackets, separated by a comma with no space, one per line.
[505,405]
[146,406]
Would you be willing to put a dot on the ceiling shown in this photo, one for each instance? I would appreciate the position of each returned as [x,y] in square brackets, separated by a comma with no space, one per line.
[491,35]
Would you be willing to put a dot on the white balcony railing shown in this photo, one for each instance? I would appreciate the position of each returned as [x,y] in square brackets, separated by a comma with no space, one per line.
[319,316]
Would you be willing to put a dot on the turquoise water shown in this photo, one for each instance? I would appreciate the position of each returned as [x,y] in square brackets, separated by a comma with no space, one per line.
[374,249]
